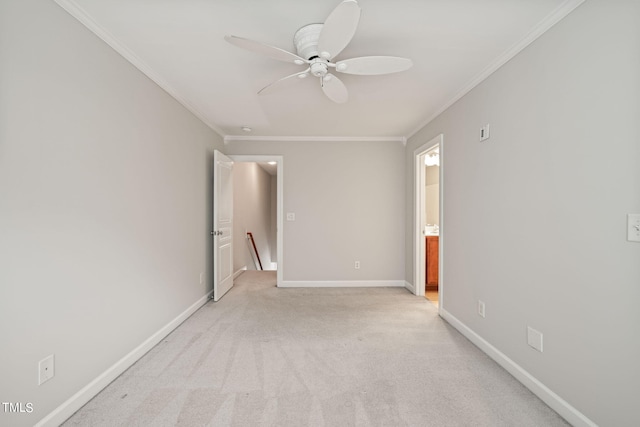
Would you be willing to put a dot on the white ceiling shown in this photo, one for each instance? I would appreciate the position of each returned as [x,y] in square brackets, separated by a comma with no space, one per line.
[180,44]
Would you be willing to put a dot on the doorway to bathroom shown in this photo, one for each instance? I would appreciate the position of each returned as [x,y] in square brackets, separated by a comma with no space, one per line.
[428,228]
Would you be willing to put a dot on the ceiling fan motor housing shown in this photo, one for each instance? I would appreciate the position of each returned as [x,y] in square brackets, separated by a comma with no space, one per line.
[306,41]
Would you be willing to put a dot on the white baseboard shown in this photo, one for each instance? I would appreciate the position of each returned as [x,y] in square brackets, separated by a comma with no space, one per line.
[239,272]
[558,404]
[75,402]
[343,284]
[410,287]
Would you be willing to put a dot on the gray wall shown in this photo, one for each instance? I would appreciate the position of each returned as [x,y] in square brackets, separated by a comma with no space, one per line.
[535,217]
[104,206]
[348,198]
[251,212]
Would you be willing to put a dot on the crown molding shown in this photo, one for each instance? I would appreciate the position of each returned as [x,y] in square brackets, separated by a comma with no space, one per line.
[81,15]
[231,138]
[549,21]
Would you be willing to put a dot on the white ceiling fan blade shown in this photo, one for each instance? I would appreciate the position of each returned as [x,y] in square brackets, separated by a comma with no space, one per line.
[373,65]
[334,89]
[283,82]
[338,29]
[265,49]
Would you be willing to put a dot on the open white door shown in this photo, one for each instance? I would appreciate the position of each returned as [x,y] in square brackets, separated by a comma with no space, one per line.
[222,225]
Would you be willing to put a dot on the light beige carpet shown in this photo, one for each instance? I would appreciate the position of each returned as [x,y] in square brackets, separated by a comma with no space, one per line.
[267,356]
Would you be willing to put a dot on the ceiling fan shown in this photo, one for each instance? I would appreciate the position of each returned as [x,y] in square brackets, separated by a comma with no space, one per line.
[317,45]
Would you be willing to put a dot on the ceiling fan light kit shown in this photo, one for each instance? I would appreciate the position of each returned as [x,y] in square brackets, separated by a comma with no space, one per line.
[316,46]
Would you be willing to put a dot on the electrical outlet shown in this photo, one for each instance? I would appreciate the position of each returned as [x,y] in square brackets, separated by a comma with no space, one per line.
[633,227]
[45,369]
[534,338]
[291,216]
[480,308]
[357,265]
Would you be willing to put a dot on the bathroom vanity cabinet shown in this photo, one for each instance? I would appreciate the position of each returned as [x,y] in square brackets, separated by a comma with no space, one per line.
[431,263]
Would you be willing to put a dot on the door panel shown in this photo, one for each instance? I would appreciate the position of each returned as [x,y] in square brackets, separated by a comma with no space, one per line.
[223,225]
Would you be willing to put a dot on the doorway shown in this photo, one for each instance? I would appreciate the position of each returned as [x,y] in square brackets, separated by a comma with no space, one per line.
[428,226]
[274,166]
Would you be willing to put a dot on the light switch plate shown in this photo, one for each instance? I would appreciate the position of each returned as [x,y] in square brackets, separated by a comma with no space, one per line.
[633,227]
[484,132]
[291,216]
